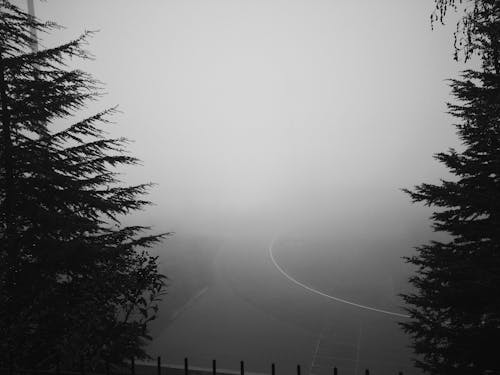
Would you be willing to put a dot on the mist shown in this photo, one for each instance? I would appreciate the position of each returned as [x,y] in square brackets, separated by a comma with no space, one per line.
[237,108]
[298,121]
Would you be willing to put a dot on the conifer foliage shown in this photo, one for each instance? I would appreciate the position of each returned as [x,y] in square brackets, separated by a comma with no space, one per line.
[455,308]
[74,282]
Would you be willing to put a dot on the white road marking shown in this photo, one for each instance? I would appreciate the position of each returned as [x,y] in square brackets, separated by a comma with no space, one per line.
[327,295]
[315,355]
[358,344]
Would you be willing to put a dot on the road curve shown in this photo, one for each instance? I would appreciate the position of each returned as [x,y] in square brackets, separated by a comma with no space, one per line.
[310,289]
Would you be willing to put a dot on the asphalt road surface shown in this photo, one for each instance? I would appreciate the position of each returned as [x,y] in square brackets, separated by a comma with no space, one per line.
[252,312]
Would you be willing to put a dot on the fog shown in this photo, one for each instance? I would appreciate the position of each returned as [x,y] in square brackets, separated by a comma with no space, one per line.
[269,108]
[265,118]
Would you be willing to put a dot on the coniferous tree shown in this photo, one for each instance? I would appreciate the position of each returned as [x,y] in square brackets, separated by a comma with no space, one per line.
[74,282]
[455,309]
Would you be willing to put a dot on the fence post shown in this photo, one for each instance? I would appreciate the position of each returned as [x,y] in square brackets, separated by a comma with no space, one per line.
[132,366]
[11,363]
[158,365]
[214,369]
[242,368]
[186,370]
[273,369]
[335,371]
[82,365]
[298,369]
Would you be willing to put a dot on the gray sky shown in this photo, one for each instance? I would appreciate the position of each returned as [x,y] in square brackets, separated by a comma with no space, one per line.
[272,111]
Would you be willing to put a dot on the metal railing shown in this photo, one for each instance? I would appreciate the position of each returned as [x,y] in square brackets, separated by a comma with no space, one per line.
[154,369]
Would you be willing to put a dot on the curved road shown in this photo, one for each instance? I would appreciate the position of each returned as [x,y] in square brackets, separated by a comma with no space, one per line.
[302,285]
[253,313]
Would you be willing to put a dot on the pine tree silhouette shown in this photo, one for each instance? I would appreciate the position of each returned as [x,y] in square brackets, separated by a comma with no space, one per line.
[455,309]
[74,281]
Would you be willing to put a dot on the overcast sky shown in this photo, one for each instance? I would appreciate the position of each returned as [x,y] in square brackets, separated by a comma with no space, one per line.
[258,109]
